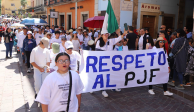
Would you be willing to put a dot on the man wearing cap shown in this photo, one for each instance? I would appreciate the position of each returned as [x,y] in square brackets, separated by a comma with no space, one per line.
[39,36]
[53,53]
[62,45]
[2,29]
[40,59]
[80,36]
[49,35]
[56,38]
[75,56]
[21,38]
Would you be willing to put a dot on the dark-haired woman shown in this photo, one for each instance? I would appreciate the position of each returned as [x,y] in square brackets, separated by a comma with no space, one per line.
[28,44]
[55,89]
[106,44]
[9,36]
[150,43]
[160,43]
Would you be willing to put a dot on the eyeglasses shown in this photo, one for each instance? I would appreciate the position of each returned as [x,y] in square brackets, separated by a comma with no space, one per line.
[162,41]
[70,49]
[63,61]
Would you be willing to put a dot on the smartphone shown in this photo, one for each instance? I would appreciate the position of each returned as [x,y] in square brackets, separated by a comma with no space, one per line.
[126,27]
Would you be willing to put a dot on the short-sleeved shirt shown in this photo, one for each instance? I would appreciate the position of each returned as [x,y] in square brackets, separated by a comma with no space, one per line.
[55,40]
[54,91]
[74,57]
[40,56]
[38,38]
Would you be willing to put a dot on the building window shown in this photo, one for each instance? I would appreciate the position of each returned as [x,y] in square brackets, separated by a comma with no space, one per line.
[12,4]
[56,22]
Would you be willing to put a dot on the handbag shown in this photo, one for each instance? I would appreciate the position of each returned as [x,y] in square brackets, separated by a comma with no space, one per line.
[172,58]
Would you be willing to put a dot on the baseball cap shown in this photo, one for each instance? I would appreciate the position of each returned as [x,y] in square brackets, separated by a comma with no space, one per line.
[29,32]
[24,28]
[68,44]
[74,32]
[63,37]
[45,42]
[55,48]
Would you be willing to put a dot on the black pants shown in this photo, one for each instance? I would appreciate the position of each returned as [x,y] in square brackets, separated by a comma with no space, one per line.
[28,58]
[187,79]
[171,68]
[164,87]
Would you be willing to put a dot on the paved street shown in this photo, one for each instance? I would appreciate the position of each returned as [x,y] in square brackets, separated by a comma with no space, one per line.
[17,94]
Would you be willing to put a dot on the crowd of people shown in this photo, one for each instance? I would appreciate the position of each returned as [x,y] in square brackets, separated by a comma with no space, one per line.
[54,55]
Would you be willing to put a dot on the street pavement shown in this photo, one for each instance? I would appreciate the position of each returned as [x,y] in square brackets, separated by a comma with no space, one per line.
[17,94]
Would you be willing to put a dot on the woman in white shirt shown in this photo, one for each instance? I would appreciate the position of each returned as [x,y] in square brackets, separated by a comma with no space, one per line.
[53,53]
[86,40]
[106,44]
[61,90]
[76,42]
[62,45]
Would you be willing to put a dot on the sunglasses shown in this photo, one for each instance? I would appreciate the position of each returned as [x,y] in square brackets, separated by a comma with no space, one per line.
[162,41]
[70,49]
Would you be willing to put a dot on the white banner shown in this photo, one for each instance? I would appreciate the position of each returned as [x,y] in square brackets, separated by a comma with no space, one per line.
[101,70]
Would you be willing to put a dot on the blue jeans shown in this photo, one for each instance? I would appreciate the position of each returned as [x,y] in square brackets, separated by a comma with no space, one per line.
[9,47]
[23,56]
[86,47]
[180,76]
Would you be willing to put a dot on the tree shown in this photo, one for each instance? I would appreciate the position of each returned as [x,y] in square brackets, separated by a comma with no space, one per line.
[23,3]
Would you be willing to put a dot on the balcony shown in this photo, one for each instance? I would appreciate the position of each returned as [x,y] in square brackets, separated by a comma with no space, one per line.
[59,2]
[31,9]
[39,8]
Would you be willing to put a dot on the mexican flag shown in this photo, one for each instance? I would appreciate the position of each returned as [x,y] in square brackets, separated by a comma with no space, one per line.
[110,24]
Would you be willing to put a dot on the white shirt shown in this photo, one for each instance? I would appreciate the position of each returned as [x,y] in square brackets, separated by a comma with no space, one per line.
[52,58]
[62,49]
[86,40]
[109,47]
[38,37]
[48,30]
[74,57]
[55,90]
[125,48]
[40,56]
[80,37]
[68,37]
[90,34]
[21,38]
[56,40]
[141,42]
[96,34]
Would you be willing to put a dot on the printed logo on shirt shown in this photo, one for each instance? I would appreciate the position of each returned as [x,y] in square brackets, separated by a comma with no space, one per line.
[65,89]
[40,37]
[29,42]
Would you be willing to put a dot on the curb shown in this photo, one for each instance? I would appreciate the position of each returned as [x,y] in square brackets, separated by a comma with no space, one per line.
[22,81]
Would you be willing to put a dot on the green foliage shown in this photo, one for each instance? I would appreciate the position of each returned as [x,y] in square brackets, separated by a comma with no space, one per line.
[23,3]
[29,15]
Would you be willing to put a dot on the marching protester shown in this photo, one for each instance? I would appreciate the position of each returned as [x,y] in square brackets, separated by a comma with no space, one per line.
[49,35]
[61,90]
[150,43]
[2,31]
[75,41]
[9,37]
[80,36]
[132,39]
[62,45]
[125,47]
[142,40]
[39,36]
[56,38]
[28,44]
[163,34]
[160,43]
[68,36]
[106,44]
[86,39]
[180,52]
[53,53]
[75,56]
[21,38]
[190,63]
[41,65]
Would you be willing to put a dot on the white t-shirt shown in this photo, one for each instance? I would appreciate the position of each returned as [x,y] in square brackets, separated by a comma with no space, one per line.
[38,37]
[21,38]
[56,40]
[53,56]
[55,90]
[62,49]
[86,40]
[40,56]
[80,37]
[74,57]
[141,42]
[90,34]
[68,37]
[96,34]
[125,48]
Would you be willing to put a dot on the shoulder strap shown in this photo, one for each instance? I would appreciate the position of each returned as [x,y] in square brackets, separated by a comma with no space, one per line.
[70,87]
[181,48]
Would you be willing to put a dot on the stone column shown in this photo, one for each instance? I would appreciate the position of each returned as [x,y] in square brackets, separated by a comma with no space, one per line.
[181,13]
[135,13]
